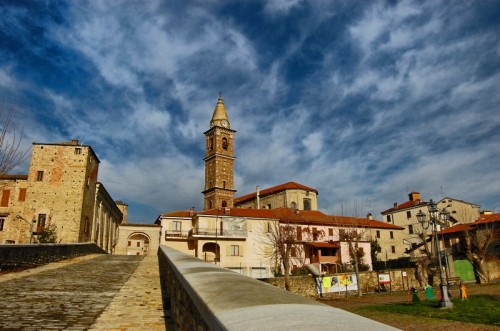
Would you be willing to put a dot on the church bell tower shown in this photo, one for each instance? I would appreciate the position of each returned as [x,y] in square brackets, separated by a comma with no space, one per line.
[219,160]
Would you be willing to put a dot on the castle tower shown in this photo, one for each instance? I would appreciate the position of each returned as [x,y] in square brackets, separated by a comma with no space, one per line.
[219,160]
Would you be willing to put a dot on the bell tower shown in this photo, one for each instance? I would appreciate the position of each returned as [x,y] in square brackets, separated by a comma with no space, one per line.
[219,160]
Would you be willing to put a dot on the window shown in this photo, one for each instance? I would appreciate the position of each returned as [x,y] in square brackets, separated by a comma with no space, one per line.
[22,194]
[224,143]
[224,203]
[176,226]
[129,243]
[307,204]
[378,233]
[410,229]
[2,221]
[293,205]
[342,234]
[393,249]
[39,176]
[235,250]
[78,151]
[223,184]
[299,233]
[211,143]
[330,232]
[87,225]
[40,226]
[315,233]
[408,214]
[5,198]
[293,252]
[138,244]
[269,206]
[388,218]
[392,234]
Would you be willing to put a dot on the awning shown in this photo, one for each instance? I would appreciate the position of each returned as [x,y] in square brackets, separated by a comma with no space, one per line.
[319,244]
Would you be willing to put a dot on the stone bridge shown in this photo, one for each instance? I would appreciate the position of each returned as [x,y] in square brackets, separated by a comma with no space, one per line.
[118,292]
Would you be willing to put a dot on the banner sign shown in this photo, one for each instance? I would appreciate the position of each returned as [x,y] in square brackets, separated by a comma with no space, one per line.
[339,283]
[384,278]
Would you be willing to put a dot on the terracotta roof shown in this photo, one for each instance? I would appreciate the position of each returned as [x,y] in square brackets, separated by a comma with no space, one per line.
[274,189]
[405,205]
[141,224]
[318,244]
[178,213]
[483,219]
[12,177]
[311,217]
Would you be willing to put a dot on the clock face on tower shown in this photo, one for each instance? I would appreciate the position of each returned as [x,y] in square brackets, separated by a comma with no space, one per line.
[224,123]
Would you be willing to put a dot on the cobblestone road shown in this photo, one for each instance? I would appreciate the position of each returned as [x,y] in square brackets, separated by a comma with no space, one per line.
[74,296]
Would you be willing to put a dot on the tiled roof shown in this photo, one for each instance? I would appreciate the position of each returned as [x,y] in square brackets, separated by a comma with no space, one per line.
[274,189]
[178,213]
[483,219]
[312,217]
[12,177]
[405,205]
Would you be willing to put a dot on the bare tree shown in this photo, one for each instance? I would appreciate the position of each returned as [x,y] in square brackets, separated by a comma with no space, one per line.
[11,154]
[352,230]
[478,239]
[283,237]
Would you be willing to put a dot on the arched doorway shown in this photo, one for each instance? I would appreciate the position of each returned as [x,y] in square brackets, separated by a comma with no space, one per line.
[464,270]
[211,252]
[138,244]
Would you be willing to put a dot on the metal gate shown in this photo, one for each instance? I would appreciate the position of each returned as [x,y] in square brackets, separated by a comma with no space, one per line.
[464,270]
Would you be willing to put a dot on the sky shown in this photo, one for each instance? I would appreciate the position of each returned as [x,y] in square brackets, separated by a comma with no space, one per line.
[365,101]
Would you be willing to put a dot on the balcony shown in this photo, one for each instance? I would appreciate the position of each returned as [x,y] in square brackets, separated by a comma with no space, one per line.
[173,234]
[212,233]
[324,259]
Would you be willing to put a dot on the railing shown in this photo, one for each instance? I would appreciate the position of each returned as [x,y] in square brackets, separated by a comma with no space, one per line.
[217,233]
[176,234]
[324,259]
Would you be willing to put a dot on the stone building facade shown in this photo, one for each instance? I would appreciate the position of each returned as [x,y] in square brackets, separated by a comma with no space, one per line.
[61,188]
[219,160]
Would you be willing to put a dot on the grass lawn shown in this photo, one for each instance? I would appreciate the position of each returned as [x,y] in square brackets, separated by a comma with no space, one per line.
[478,309]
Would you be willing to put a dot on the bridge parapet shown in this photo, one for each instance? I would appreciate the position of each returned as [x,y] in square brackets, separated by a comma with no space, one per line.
[203,296]
[22,256]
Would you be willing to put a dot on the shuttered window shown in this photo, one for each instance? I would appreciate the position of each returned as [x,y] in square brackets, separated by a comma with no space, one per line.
[5,198]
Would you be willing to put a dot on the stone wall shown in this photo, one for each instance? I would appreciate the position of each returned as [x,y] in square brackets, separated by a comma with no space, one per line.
[203,296]
[23,256]
[306,285]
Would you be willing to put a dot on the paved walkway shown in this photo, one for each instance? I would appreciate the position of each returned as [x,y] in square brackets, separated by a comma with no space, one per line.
[103,292]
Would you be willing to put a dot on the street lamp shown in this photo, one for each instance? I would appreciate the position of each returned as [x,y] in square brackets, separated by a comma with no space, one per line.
[436,217]
[19,217]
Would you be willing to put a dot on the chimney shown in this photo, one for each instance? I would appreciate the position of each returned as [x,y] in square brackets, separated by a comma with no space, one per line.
[191,211]
[258,198]
[395,205]
[369,216]
[486,212]
[74,142]
[414,196]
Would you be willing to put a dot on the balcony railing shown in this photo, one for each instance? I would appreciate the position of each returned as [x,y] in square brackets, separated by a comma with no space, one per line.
[324,259]
[217,233]
[176,234]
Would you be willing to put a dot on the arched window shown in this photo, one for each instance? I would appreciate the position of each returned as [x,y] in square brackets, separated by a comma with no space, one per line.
[293,205]
[307,204]
[224,203]
[224,143]
[211,143]
[209,204]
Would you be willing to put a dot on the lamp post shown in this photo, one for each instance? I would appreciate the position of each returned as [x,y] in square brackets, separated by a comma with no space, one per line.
[436,217]
[19,217]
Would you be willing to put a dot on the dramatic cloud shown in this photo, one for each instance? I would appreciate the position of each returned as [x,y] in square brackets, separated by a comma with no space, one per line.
[364,101]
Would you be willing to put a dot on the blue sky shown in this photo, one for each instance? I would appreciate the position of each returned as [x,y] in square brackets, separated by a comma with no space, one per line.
[365,101]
